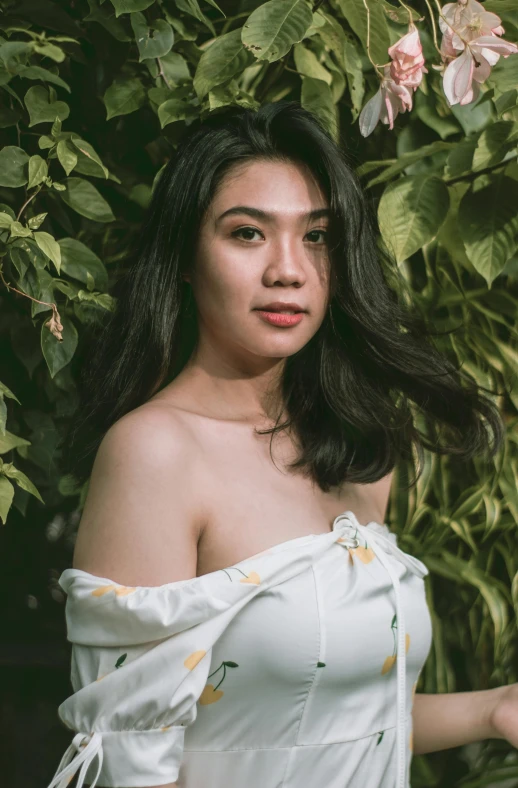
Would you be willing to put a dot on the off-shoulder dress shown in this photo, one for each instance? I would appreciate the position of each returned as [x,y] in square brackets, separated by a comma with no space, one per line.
[294,668]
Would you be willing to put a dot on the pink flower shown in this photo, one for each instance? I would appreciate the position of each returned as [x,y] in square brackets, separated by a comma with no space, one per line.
[385,105]
[407,65]
[400,78]
[469,29]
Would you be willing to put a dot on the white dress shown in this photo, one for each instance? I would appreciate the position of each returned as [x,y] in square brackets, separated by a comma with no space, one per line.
[293,668]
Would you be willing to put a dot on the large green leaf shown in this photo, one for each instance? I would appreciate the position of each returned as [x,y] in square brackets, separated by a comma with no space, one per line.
[13,170]
[58,354]
[410,213]
[488,225]
[355,13]
[308,65]
[80,262]
[42,108]
[83,197]
[130,6]
[223,59]
[153,40]
[124,96]
[316,97]
[271,30]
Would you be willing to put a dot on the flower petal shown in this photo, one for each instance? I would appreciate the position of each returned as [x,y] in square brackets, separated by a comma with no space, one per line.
[457,77]
[370,114]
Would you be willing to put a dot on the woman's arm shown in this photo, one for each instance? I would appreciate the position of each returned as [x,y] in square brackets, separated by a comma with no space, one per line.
[452,719]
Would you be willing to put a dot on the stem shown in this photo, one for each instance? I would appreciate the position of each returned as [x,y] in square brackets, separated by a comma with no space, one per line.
[376,67]
[10,287]
[33,195]
[476,173]
[432,20]
[161,73]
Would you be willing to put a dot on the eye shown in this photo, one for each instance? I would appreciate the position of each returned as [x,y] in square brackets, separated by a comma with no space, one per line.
[243,230]
[238,233]
[319,232]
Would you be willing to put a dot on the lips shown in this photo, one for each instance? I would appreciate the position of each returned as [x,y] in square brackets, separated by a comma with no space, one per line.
[289,308]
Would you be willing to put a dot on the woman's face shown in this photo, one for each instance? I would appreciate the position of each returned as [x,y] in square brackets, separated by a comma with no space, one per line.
[259,244]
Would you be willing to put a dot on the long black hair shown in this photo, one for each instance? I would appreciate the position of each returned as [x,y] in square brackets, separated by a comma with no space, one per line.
[353,392]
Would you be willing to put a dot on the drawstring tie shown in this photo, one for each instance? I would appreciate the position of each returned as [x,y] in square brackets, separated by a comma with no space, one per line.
[81,752]
[348,523]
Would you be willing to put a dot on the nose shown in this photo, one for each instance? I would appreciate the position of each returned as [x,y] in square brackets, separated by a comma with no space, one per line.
[286,264]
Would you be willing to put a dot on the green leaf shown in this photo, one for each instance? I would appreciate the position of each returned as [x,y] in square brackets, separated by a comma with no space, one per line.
[37,72]
[79,261]
[5,221]
[355,13]
[105,16]
[130,6]
[49,246]
[17,230]
[13,171]
[179,107]
[468,503]
[410,213]
[6,497]
[494,143]
[488,225]
[87,151]
[58,354]
[307,64]
[9,441]
[41,108]
[316,97]
[6,392]
[83,197]
[271,30]
[153,41]
[8,469]
[407,159]
[124,96]
[223,59]
[66,155]
[38,171]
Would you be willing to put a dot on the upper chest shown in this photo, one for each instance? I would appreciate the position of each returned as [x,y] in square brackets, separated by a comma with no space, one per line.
[254,500]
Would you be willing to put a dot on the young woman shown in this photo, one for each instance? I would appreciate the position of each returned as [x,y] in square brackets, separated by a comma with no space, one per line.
[239,612]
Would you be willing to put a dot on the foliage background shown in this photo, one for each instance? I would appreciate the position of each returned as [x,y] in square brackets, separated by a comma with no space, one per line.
[94,96]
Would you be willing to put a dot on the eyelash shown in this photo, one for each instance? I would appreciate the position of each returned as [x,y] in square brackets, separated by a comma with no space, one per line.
[235,234]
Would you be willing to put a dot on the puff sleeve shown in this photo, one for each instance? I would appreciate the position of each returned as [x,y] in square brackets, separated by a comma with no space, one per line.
[140,661]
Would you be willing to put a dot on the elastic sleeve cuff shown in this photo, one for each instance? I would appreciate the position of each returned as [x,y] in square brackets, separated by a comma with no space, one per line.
[139,759]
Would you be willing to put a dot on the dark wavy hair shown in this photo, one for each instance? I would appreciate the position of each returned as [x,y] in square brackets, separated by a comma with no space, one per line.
[351,393]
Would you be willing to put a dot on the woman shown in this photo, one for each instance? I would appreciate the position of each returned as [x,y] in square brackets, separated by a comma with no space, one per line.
[239,611]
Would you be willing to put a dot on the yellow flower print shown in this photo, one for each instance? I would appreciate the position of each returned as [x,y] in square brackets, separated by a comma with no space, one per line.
[411,741]
[365,553]
[390,661]
[211,693]
[251,577]
[193,659]
[119,590]
[102,590]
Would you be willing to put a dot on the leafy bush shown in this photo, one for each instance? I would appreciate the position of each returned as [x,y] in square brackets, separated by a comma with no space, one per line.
[94,97]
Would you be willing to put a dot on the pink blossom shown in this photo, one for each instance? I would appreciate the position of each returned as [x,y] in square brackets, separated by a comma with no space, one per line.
[407,65]
[400,77]
[474,32]
[385,105]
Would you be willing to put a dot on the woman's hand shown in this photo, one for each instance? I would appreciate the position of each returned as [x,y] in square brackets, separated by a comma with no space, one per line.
[504,715]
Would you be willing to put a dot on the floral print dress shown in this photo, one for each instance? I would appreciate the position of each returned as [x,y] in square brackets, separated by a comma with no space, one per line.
[294,667]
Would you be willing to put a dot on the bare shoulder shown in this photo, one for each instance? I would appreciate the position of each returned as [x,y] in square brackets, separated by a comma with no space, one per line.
[143,513]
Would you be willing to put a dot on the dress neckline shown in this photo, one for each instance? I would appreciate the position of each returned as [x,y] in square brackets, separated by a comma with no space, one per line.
[297,541]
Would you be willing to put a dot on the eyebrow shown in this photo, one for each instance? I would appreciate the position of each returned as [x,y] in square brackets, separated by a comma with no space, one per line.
[257,213]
